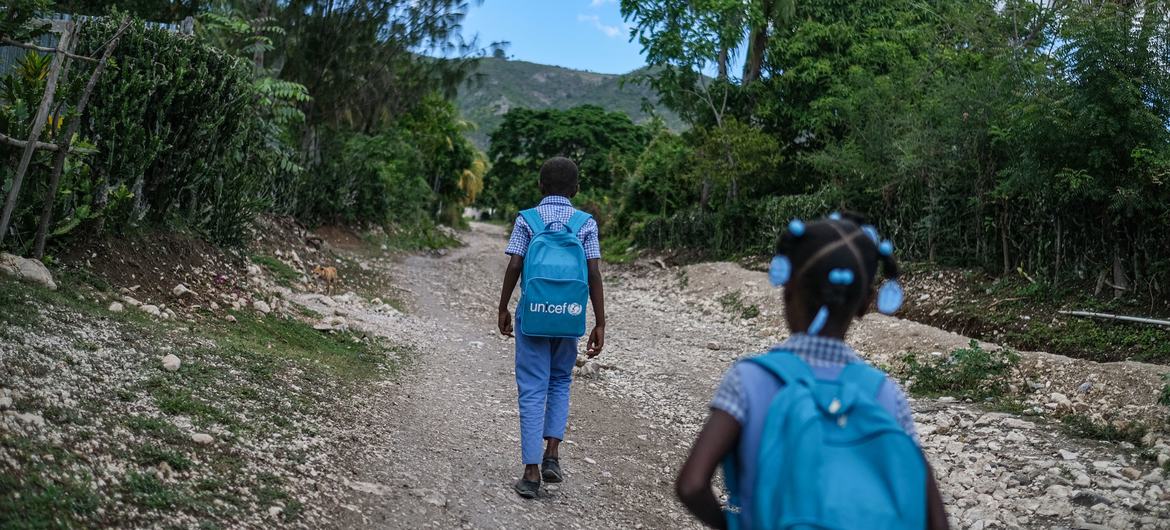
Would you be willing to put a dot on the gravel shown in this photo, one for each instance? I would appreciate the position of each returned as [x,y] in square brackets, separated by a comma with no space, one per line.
[451,425]
[437,446]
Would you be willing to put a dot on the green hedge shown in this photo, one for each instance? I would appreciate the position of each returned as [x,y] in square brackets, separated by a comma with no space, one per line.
[174,122]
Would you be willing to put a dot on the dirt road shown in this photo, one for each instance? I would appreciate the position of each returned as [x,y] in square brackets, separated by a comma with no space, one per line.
[439,446]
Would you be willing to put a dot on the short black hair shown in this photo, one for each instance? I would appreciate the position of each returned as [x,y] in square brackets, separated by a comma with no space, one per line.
[827,245]
[558,176]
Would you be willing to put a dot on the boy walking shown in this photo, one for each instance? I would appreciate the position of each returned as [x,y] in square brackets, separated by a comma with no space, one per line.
[563,252]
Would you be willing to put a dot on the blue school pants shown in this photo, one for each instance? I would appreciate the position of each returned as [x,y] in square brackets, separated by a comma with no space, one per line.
[544,372]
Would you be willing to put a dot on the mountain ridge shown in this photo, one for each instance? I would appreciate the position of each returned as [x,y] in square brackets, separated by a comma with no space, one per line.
[503,84]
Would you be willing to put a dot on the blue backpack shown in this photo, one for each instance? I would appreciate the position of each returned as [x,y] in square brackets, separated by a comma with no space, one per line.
[830,456]
[555,285]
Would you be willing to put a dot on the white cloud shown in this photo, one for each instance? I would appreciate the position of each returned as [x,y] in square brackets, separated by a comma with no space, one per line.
[609,31]
[599,3]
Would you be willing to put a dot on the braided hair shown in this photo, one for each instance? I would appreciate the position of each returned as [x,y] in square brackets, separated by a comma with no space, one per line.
[830,267]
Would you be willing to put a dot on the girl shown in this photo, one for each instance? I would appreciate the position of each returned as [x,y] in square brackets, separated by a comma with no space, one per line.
[829,268]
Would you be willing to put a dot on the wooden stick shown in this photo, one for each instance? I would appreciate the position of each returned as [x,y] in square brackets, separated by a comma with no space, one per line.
[1139,320]
[16,142]
[67,138]
[38,124]
[28,46]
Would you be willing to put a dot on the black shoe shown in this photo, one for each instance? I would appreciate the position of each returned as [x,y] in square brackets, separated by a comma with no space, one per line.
[550,469]
[527,488]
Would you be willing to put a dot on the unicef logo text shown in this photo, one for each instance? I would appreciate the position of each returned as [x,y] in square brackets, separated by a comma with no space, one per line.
[567,308]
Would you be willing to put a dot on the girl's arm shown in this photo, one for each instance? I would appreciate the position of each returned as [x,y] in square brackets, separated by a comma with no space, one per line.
[717,438]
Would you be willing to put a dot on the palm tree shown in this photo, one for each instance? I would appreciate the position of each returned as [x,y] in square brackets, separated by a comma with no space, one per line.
[763,16]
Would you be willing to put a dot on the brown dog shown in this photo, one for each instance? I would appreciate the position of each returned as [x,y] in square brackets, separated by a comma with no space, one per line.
[328,275]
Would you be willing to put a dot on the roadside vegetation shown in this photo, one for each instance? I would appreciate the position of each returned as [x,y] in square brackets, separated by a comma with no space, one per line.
[1026,314]
[972,133]
[992,378]
[246,118]
[258,387]
[967,373]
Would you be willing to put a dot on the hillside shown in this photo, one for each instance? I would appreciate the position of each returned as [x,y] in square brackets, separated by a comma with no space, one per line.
[502,84]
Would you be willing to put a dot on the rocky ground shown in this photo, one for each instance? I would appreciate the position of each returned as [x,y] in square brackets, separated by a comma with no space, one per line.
[435,445]
[440,446]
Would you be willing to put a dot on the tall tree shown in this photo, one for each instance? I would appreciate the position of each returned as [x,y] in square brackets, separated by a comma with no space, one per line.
[604,145]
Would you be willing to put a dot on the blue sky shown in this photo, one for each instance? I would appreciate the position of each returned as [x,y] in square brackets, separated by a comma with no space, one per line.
[580,34]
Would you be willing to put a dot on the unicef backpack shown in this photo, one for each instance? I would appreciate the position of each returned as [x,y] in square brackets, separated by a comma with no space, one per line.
[555,285]
[831,457]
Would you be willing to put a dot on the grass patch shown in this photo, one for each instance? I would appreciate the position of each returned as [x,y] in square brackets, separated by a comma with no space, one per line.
[148,491]
[346,355]
[616,249]
[44,502]
[423,235]
[283,274]
[65,415]
[152,455]
[971,373]
[180,401]
[51,495]
[1084,427]
[158,428]
[21,304]
[1164,396]
[17,307]
[733,303]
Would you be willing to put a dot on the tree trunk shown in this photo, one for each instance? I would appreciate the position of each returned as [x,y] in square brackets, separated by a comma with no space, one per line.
[723,54]
[1120,281]
[258,54]
[755,59]
[705,194]
[1003,238]
[758,43]
[1056,267]
[138,210]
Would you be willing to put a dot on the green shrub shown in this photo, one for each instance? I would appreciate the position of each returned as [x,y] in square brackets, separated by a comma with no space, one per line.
[733,303]
[392,175]
[617,250]
[173,122]
[1084,427]
[971,372]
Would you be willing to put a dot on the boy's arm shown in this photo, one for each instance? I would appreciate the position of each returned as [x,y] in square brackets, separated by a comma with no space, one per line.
[597,297]
[693,486]
[511,277]
[936,511]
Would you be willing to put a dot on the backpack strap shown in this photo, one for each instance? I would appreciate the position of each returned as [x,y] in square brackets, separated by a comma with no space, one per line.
[870,380]
[786,366]
[577,221]
[532,218]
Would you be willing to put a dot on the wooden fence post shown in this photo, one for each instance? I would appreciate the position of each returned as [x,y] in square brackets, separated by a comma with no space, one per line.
[66,139]
[64,46]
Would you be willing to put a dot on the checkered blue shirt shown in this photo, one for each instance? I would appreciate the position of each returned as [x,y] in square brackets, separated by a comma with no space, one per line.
[554,209]
[817,352]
